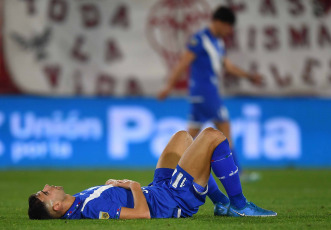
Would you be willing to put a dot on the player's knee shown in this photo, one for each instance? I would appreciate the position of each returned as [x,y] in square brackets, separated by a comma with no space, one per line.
[211,132]
[212,135]
[183,135]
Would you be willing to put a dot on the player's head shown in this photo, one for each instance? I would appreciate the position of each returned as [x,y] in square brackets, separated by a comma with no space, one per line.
[223,20]
[47,203]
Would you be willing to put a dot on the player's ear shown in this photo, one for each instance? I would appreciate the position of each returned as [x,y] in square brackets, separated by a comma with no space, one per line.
[57,206]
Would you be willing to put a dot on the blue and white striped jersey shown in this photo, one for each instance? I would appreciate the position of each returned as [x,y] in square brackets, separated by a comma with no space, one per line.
[207,66]
[106,202]
[99,202]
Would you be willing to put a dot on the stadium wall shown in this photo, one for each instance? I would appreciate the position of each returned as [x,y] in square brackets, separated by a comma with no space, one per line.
[131,133]
[120,47]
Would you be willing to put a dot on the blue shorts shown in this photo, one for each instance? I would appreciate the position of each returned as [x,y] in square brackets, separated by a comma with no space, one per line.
[179,187]
[208,109]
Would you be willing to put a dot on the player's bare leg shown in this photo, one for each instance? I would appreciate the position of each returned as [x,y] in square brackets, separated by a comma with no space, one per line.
[194,131]
[197,157]
[174,150]
[220,200]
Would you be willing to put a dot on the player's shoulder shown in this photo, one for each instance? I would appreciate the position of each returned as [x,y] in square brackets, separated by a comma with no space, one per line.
[199,33]
[196,39]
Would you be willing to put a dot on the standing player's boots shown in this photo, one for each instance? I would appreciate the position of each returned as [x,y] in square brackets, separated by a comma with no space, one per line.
[221,209]
[250,209]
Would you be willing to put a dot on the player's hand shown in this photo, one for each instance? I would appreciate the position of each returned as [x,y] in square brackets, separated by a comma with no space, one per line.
[256,79]
[110,182]
[163,94]
[117,183]
[127,184]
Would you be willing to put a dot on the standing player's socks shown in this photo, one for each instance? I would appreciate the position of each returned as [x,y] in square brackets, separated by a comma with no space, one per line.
[216,195]
[225,169]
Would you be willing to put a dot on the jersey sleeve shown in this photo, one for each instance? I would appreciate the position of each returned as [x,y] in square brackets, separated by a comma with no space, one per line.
[195,45]
[102,209]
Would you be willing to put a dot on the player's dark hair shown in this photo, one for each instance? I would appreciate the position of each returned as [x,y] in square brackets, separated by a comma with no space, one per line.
[37,209]
[224,14]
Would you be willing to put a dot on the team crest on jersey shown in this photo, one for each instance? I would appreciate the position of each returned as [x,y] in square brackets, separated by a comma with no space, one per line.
[103,215]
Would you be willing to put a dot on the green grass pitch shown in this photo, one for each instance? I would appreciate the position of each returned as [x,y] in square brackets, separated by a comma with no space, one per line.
[302,199]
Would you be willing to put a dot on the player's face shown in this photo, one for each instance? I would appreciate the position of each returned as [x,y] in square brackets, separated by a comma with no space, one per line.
[51,194]
[224,29]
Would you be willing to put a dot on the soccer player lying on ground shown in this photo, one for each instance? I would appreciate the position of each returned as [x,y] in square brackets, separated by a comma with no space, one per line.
[181,182]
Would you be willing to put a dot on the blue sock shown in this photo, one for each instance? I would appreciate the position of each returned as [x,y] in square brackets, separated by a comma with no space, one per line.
[225,169]
[214,193]
[239,201]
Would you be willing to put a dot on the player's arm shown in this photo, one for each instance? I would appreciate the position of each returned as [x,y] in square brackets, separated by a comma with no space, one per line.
[185,60]
[238,72]
[140,209]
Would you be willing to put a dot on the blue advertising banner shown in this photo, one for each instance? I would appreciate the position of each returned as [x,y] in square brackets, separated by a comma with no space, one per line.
[132,132]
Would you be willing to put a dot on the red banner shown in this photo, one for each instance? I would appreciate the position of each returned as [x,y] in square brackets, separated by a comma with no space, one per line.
[63,47]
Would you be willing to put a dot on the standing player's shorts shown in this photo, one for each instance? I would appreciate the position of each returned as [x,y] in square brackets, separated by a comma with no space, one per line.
[208,109]
[180,191]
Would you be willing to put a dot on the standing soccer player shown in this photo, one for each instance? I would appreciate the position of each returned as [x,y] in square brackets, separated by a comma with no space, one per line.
[206,56]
